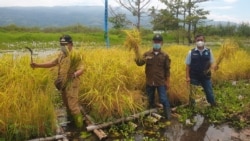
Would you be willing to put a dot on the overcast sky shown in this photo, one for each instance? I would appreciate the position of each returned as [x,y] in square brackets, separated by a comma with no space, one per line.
[220,10]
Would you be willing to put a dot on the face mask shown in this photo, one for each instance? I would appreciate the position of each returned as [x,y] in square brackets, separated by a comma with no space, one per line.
[156,46]
[200,44]
[64,49]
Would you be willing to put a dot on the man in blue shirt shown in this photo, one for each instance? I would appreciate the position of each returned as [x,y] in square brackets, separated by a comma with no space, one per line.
[199,63]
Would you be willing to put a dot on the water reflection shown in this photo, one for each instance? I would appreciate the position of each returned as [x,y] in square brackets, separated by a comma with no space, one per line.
[175,131]
[200,131]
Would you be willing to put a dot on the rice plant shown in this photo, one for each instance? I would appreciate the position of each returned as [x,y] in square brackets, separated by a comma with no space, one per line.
[112,86]
[26,108]
[227,49]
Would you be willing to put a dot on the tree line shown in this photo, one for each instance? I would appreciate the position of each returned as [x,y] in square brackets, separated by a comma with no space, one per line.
[183,17]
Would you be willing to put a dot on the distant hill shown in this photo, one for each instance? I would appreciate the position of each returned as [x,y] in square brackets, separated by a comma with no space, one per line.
[92,16]
[53,16]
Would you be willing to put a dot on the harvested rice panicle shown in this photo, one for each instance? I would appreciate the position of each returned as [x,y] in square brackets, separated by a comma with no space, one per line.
[228,49]
[133,41]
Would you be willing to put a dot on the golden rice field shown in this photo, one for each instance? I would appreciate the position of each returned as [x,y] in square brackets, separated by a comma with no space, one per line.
[112,86]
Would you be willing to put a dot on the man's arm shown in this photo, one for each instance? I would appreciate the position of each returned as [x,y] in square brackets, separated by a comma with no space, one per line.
[167,68]
[45,65]
[214,65]
[188,62]
[140,61]
[187,73]
[78,72]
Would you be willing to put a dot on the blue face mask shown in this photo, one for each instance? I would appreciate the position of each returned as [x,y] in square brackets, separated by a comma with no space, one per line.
[156,46]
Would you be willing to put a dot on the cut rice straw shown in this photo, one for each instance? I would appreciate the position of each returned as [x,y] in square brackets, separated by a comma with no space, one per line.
[227,50]
[133,41]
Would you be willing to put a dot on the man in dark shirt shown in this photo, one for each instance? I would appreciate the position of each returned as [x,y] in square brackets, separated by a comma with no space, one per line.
[157,71]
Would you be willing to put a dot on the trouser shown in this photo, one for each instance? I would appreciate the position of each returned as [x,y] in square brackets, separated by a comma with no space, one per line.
[70,97]
[162,98]
[71,101]
[207,86]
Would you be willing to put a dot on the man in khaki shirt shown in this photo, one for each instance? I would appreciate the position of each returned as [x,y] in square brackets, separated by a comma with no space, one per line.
[157,71]
[68,77]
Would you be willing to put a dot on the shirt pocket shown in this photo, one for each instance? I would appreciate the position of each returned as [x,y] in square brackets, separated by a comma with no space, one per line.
[161,61]
[149,60]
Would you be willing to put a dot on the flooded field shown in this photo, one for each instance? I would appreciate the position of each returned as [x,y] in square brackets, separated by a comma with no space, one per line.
[201,130]
[196,129]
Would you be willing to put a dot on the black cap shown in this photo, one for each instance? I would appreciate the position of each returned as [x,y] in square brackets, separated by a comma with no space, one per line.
[157,37]
[65,39]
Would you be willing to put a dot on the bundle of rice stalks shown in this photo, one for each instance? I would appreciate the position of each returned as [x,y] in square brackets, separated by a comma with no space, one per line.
[227,49]
[69,65]
[75,61]
[133,41]
[75,64]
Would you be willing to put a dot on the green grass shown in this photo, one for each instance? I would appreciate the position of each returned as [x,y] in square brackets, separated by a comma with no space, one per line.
[96,38]
[233,105]
[116,37]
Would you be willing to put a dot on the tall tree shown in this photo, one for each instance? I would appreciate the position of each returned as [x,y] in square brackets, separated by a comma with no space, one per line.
[198,18]
[163,20]
[244,29]
[119,20]
[186,14]
[194,16]
[136,7]
[176,8]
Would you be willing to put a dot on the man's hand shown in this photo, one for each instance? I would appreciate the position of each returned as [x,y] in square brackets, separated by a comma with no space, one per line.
[33,65]
[188,81]
[72,75]
[215,67]
[167,83]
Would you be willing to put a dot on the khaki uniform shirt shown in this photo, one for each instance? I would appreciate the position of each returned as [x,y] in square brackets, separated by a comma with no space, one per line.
[65,69]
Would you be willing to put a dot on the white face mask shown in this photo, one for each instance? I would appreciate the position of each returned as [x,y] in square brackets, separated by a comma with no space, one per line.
[64,49]
[200,44]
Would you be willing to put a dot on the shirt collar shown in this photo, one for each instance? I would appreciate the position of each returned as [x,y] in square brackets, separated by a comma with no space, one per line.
[201,50]
[153,52]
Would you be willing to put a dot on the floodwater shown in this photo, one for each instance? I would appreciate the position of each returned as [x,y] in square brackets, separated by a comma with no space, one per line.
[200,131]
[176,131]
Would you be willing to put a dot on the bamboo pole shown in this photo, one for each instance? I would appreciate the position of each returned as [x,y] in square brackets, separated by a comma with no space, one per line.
[89,121]
[56,137]
[157,116]
[99,126]
[99,132]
